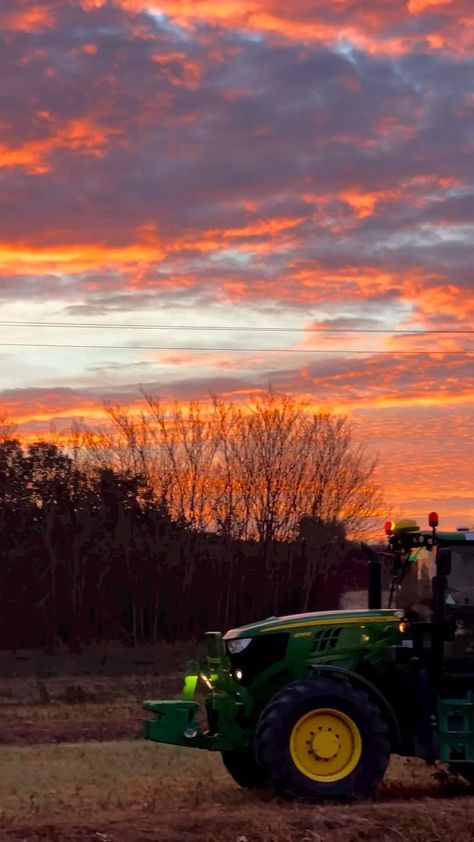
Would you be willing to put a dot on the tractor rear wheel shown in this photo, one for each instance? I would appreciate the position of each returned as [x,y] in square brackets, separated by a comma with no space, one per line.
[322,738]
[243,767]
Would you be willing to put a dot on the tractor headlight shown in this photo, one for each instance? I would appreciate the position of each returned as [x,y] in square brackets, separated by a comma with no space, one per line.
[238,645]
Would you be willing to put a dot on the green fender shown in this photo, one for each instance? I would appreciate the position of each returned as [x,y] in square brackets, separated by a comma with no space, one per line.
[372,691]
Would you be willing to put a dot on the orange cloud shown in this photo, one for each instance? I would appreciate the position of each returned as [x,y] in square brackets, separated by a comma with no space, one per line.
[374,383]
[42,406]
[366,24]
[190,359]
[442,299]
[362,203]
[416,7]
[75,258]
[28,17]
[259,227]
[79,135]
[149,248]
[89,49]
[179,69]
[413,471]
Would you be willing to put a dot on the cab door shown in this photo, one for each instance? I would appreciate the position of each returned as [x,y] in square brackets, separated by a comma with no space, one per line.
[459,651]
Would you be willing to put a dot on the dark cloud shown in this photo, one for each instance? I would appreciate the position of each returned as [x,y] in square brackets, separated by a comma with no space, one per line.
[364,382]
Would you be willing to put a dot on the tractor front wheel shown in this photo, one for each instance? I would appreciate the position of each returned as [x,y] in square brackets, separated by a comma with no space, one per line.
[244,769]
[322,738]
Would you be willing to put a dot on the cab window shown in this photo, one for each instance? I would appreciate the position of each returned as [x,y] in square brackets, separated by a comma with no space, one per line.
[416,593]
[461,578]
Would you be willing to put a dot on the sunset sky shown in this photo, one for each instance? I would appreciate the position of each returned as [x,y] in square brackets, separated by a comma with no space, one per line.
[286,187]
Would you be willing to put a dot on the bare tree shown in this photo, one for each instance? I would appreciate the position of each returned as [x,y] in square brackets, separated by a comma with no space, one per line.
[248,471]
[7,428]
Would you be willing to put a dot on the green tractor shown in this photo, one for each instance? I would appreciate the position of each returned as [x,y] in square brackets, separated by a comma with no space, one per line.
[312,705]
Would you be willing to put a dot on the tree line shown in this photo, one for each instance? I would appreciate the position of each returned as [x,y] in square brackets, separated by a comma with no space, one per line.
[177,519]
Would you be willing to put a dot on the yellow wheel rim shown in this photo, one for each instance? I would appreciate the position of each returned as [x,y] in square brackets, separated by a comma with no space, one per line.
[325,745]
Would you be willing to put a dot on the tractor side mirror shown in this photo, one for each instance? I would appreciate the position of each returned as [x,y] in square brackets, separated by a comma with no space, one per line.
[443,562]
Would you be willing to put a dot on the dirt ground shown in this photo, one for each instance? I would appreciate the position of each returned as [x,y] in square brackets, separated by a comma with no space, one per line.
[132,791]
[59,722]
[248,823]
[72,768]
[94,695]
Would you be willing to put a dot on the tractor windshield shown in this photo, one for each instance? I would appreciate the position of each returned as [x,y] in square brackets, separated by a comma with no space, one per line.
[415,592]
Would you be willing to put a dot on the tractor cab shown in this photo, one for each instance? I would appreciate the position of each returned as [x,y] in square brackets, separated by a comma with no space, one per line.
[433,583]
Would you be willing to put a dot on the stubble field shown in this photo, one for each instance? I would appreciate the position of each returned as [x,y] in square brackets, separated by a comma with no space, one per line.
[72,767]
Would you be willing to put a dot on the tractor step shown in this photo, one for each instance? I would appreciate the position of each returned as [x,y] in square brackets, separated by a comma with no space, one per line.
[456,729]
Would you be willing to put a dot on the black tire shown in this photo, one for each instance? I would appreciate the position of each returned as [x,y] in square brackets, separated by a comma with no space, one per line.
[244,769]
[276,724]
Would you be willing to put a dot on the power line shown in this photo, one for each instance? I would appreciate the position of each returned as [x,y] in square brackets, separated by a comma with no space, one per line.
[197,349]
[262,329]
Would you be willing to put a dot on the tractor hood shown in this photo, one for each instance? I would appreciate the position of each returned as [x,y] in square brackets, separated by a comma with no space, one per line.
[315,618]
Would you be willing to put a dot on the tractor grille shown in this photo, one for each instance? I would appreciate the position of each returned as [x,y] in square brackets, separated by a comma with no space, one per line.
[325,639]
[260,654]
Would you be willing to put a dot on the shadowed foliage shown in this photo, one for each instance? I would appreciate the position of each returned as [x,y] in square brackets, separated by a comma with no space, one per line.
[176,523]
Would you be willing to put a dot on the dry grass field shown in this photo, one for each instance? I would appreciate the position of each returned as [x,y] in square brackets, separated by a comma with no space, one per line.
[71,768]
